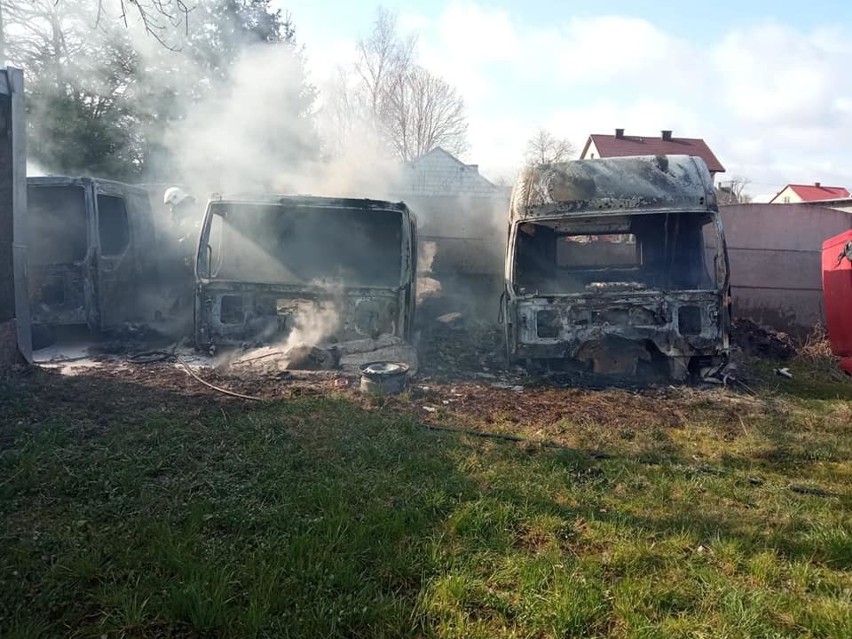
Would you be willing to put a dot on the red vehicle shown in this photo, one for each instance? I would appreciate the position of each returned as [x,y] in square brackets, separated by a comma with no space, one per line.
[837,290]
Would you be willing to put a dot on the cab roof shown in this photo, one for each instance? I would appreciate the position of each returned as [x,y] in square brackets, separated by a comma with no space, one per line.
[642,184]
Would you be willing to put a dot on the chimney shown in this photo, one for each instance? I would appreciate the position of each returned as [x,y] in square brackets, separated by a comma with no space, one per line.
[619,134]
[817,184]
[667,136]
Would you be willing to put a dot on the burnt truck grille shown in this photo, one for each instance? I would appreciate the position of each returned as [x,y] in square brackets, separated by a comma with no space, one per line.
[373,318]
[689,320]
[231,309]
[236,317]
[547,324]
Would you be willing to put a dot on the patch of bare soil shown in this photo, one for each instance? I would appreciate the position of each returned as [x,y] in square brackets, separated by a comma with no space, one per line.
[121,391]
[758,341]
[486,398]
[611,409]
[463,381]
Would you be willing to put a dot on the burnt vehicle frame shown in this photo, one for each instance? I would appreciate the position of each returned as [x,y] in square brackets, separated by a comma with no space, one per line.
[92,254]
[672,315]
[233,309]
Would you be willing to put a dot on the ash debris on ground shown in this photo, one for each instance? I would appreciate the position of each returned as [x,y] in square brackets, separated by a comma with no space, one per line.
[346,357]
[454,341]
[759,341]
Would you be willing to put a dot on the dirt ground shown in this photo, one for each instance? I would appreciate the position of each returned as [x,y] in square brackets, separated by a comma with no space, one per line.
[462,382]
[488,402]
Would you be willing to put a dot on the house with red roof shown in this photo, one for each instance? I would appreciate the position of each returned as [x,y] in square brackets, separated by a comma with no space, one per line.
[620,145]
[816,192]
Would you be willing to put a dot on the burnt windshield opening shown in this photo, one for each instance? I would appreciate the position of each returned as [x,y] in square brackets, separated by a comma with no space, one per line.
[302,245]
[57,224]
[665,251]
[113,228]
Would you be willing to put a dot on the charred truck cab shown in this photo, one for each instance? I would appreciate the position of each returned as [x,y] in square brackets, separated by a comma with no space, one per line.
[336,269]
[618,267]
[89,242]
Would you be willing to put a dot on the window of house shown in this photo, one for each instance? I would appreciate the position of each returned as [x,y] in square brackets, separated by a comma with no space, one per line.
[113,228]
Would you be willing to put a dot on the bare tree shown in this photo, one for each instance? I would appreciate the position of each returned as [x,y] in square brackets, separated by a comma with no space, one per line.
[545,148]
[409,109]
[733,191]
[422,112]
[383,58]
[45,35]
[157,16]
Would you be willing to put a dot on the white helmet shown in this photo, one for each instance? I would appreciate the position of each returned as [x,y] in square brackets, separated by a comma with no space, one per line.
[174,196]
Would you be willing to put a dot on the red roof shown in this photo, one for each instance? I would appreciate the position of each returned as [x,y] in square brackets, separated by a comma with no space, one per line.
[816,192]
[611,146]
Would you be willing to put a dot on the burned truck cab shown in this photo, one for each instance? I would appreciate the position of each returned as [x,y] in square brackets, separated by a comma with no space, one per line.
[618,267]
[333,269]
[89,239]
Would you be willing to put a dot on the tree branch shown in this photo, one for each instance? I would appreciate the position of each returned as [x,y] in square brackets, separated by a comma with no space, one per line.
[156,16]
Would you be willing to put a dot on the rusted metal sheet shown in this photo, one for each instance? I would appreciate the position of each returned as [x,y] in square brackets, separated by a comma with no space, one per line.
[304,271]
[618,266]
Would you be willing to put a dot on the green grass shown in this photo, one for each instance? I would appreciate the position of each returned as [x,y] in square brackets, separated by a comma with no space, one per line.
[316,517]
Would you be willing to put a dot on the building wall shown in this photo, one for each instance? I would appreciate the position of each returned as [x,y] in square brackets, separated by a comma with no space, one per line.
[591,153]
[844,204]
[459,211]
[470,233]
[775,256]
[440,174]
[787,196]
[467,236]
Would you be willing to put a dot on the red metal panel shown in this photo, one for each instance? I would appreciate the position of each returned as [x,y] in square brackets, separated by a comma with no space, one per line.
[837,289]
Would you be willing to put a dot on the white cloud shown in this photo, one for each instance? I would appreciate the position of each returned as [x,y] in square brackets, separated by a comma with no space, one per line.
[604,49]
[476,47]
[466,45]
[776,75]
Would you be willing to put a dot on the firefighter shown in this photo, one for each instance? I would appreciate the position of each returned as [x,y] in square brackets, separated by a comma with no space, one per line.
[181,205]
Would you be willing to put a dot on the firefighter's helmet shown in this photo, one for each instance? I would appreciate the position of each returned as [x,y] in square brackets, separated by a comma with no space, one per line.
[175,196]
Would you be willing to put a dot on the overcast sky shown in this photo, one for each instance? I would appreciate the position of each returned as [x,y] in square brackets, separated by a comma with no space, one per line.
[767,84]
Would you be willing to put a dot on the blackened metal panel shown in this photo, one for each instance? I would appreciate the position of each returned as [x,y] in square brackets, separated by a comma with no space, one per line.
[117,238]
[631,184]
[15,84]
[57,248]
